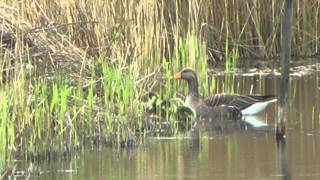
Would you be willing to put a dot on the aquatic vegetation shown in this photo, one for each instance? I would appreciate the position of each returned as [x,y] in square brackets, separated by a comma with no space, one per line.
[230,67]
[55,115]
[76,72]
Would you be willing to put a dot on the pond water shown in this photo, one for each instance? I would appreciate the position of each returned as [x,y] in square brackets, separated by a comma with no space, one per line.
[232,155]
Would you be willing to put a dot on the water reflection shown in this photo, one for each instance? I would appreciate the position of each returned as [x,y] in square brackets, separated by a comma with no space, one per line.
[256,121]
[227,156]
[283,159]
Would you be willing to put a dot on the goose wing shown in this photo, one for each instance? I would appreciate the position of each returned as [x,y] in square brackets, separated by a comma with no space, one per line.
[239,101]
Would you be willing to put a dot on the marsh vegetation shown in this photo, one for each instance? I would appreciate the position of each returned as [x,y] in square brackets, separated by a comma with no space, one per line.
[76,72]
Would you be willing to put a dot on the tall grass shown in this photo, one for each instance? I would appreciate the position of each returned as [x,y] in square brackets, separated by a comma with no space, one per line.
[131,31]
[54,115]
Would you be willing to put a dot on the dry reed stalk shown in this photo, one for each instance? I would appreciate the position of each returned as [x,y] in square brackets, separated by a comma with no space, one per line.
[142,34]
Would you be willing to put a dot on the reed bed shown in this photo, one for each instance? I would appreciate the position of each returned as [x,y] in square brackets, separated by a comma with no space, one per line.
[79,70]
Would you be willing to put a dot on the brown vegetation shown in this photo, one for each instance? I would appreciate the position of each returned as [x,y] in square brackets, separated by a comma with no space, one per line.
[65,35]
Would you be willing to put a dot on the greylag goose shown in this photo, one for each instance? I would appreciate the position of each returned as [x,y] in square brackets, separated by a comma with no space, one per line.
[220,106]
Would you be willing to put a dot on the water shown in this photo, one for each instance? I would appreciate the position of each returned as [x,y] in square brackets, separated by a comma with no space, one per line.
[232,155]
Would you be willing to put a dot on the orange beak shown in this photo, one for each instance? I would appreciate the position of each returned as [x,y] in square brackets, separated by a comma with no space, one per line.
[177,76]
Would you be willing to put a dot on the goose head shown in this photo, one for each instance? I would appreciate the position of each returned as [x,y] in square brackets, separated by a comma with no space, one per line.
[190,76]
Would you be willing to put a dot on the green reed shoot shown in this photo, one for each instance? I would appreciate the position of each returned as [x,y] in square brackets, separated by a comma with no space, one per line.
[230,67]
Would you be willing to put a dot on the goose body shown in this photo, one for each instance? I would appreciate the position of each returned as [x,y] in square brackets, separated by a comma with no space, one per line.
[232,106]
[248,105]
